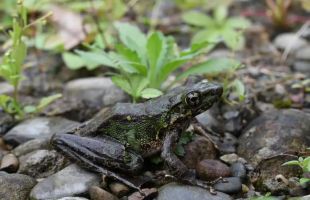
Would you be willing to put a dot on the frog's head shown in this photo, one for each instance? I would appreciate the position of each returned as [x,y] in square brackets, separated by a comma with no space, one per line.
[194,99]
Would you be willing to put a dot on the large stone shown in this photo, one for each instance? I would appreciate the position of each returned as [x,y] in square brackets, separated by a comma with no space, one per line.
[15,186]
[31,145]
[289,40]
[99,91]
[40,127]
[275,133]
[185,192]
[70,181]
[41,163]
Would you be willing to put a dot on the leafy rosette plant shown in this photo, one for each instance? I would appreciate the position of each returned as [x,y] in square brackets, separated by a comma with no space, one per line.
[142,63]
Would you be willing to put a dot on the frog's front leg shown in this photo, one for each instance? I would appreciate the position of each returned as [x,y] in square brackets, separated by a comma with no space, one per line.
[100,155]
[178,168]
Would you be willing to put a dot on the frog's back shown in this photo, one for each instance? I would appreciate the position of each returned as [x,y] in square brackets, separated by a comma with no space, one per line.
[132,124]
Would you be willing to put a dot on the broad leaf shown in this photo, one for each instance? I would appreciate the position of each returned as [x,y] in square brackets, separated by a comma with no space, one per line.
[237,23]
[149,93]
[211,67]
[123,83]
[197,19]
[96,58]
[72,61]
[44,102]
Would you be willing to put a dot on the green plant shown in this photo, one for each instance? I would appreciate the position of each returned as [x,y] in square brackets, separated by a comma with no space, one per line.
[11,68]
[277,11]
[218,27]
[304,163]
[143,63]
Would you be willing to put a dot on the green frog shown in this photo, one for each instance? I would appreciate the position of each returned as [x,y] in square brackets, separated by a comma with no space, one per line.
[118,139]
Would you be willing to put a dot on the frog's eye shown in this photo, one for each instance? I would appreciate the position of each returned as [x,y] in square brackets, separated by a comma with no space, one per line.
[193,99]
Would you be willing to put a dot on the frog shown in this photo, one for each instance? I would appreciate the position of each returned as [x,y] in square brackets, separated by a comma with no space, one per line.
[118,139]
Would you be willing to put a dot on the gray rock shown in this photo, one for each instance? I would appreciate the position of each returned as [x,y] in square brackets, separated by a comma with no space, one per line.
[303,53]
[232,185]
[185,192]
[15,186]
[31,145]
[40,127]
[289,40]
[238,170]
[41,163]
[97,193]
[272,133]
[9,163]
[302,66]
[6,88]
[95,91]
[72,198]
[301,198]
[70,181]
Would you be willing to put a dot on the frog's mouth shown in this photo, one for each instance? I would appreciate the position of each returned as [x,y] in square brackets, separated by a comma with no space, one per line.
[97,153]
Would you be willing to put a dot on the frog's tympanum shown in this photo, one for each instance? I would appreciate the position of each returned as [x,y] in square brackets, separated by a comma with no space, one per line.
[117,139]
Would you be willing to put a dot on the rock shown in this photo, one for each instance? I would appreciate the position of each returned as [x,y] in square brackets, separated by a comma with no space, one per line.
[37,128]
[231,185]
[302,67]
[199,149]
[208,121]
[119,189]
[212,169]
[185,192]
[41,163]
[148,193]
[73,198]
[70,181]
[227,144]
[96,193]
[303,53]
[301,198]
[6,88]
[15,186]
[31,145]
[6,122]
[289,40]
[238,170]
[98,91]
[271,174]
[275,133]
[230,158]
[9,163]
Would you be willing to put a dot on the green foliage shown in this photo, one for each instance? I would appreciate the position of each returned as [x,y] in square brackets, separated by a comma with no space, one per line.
[304,164]
[218,27]
[185,138]
[11,68]
[143,63]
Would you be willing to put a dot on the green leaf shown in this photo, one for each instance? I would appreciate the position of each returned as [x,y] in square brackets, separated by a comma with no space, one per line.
[220,14]
[212,67]
[133,38]
[94,59]
[237,23]
[149,93]
[30,109]
[292,162]
[123,83]
[179,150]
[233,39]
[240,88]
[73,61]
[44,102]
[304,180]
[156,51]
[197,18]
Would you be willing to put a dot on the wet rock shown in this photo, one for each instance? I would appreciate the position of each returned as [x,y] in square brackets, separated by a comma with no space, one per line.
[232,158]
[303,53]
[119,189]
[272,176]
[6,88]
[199,149]
[212,169]
[6,122]
[184,192]
[9,163]
[31,145]
[97,193]
[301,198]
[98,91]
[70,181]
[302,67]
[41,163]
[15,186]
[231,185]
[41,127]
[275,133]
[148,193]
[208,121]
[289,40]
[238,170]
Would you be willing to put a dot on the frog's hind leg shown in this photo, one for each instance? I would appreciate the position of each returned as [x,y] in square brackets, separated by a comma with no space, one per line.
[99,155]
